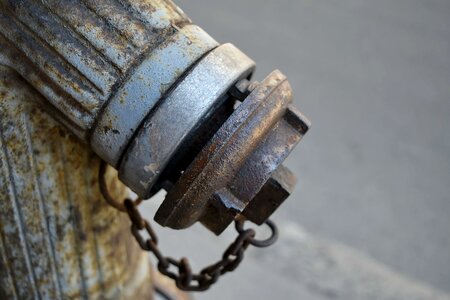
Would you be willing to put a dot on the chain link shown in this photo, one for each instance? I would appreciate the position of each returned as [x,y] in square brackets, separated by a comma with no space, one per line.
[184,278]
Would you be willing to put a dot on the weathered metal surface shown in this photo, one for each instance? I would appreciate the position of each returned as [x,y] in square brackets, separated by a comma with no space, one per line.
[180,270]
[148,90]
[124,113]
[236,163]
[58,238]
[278,188]
[178,117]
[76,53]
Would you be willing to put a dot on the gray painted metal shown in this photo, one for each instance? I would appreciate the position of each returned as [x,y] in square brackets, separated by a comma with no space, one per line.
[77,53]
[180,114]
[141,84]
[149,82]
[102,65]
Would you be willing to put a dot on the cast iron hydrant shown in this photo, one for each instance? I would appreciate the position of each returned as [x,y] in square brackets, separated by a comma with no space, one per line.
[155,97]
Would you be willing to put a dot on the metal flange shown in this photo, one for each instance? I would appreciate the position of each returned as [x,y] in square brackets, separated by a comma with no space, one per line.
[172,124]
[125,112]
[240,161]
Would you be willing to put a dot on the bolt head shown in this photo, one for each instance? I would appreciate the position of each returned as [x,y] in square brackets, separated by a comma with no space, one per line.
[277,189]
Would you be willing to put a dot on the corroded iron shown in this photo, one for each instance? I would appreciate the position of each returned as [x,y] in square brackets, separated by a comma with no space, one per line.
[177,119]
[141,84]
[225,178]
[154,96]
[58,238]
[179,270]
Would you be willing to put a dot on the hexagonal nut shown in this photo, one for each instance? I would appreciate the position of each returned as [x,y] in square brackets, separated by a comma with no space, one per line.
[222,209]
[279,186]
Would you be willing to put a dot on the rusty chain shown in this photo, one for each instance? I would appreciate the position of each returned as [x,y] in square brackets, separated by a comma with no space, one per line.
[185,279]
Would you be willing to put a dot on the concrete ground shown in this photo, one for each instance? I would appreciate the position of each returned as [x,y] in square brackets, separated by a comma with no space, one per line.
[374,171]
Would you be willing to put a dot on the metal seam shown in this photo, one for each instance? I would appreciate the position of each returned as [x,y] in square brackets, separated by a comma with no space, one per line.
[18,215]
[80,35]
[136,13]
[42,207]
[112,24]
[83,39]
[8,267]
[94,89]
[52,89]
[2,237]
[80,39]
[76,102]
[128,7]
[94,233]
[84,293]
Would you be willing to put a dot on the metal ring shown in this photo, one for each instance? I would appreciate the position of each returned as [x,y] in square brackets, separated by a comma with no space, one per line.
[185,272]
[166,130]
[234,248]
[236,162]
[239,224]
[104,190]
[124,113]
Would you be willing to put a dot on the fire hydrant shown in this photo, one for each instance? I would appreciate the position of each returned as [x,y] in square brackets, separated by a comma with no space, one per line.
[135,84]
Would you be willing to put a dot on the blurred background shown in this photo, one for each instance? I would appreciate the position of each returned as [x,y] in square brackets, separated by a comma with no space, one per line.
[370,218]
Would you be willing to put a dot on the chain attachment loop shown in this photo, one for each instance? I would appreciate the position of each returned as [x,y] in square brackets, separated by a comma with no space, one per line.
[185,279]
[104,190]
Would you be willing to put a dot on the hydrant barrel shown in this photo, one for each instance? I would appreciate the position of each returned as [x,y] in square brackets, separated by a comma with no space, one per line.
[58,238]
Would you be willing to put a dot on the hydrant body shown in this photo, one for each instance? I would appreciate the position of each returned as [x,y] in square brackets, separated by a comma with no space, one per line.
[155,97]
[58,238]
